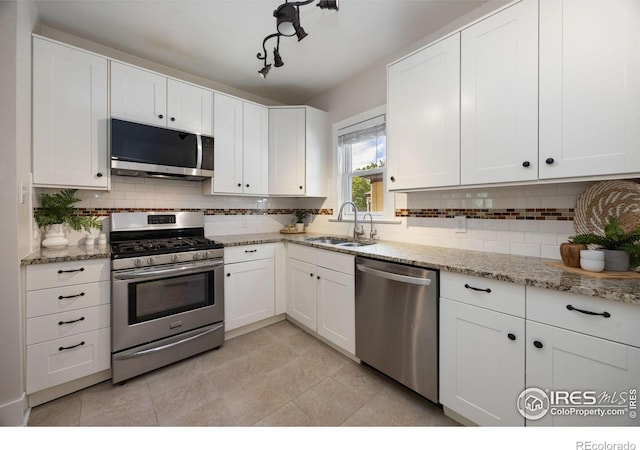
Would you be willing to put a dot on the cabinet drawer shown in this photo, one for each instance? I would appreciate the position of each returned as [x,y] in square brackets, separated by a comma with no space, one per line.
[336,261]
[42,276]
[67,298]
[248,253]
[501,296]
[56,326]
[560,309]
[55,362]
[302,253]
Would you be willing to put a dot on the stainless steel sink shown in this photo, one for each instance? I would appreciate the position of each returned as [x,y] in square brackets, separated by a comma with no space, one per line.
[341,242]
[328,240]
[355,244]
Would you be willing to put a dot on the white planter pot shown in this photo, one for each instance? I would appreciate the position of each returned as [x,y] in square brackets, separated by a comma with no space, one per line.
[55,237]
[299,226]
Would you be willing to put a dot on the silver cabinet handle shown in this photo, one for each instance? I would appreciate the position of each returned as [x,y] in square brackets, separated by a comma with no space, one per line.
[168,346]
[173,271]
[394,276]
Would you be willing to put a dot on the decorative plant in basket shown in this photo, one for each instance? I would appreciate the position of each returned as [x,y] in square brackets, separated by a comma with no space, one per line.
[621,243]
[57,210]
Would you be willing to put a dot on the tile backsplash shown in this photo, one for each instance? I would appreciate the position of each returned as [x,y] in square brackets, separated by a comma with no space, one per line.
[520,220]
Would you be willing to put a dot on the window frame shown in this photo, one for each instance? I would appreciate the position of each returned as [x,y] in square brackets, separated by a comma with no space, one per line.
[389,207]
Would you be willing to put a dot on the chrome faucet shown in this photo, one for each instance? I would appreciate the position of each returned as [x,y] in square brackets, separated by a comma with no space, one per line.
[372,233]
[357,230]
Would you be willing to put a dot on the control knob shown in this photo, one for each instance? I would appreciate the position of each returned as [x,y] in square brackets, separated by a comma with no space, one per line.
[197,255]
[175,258]
[151,261]
[137,262]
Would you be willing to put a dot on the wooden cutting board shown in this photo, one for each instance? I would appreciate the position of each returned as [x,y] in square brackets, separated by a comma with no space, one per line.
[603,275]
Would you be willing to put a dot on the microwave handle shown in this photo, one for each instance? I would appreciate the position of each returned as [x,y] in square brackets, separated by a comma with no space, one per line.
[199,155]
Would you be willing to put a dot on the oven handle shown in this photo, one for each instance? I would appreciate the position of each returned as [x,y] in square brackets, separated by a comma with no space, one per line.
[168,346]
[164,272]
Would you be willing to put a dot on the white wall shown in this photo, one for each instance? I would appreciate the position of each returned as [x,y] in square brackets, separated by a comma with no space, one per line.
[17,20]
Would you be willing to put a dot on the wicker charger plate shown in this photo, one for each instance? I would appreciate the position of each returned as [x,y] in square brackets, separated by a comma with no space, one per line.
[620,199]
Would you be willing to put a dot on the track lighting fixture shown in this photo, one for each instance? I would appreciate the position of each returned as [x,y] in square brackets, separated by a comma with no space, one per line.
[288,24]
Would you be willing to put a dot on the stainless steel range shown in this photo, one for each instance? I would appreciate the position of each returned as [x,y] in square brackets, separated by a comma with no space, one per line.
[167,290]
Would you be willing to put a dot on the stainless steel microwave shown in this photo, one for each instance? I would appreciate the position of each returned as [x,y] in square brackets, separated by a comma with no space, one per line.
[148,151]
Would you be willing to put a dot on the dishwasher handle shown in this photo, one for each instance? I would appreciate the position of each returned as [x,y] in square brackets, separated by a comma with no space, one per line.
[394,276]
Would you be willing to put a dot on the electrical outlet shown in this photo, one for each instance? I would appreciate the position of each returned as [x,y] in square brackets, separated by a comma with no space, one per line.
[461,224]
[243,223]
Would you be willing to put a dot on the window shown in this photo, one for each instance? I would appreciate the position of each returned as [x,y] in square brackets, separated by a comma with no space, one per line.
[362,156]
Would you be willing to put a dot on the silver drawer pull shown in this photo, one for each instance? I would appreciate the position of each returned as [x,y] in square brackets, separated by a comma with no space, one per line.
[605,314]
[70,321]
[487,290]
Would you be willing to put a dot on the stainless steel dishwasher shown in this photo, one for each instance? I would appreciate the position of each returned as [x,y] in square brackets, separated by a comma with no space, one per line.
[397,323]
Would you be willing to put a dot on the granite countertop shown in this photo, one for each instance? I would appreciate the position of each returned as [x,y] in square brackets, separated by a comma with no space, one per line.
[525,270]
[69,253]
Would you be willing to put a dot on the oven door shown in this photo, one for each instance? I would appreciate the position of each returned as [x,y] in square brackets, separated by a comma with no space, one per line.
[152,303]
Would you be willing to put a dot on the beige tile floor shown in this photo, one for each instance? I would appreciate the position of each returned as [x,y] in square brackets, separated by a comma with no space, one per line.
[276,376]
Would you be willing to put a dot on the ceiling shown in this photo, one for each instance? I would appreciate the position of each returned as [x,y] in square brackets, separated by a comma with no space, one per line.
[219,39]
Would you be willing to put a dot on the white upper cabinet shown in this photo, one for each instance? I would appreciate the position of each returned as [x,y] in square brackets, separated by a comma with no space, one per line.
[287,151]
[70,117]
[227,131]
[499,97]
[189,107]
[423,126]
[299,151]
[147,97]
[589,87]
[255,162]
[241,131]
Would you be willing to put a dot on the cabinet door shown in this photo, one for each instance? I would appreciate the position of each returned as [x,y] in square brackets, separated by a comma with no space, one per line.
[256,149]
[249,292]
[301,292]
[189,108]
[481,363]
[70,117]
[423,123]
[336,308]
[589,87]
[561,360]
[499,97]
[228,145]
[138,95]
[287,151]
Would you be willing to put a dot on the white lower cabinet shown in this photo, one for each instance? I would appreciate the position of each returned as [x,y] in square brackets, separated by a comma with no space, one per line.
[587,349]
[582,352]
[481,350]
[68,326]
[248,285]
[321,293]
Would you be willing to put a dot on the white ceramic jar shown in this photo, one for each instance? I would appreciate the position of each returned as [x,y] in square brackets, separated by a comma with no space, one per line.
[592,260]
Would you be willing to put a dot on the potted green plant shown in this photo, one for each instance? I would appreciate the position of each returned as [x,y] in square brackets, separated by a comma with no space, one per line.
[57,210]
[621,247]
[300,215]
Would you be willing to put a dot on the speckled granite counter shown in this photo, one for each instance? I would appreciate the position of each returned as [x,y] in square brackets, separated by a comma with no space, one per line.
[70,253]
[516,269]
